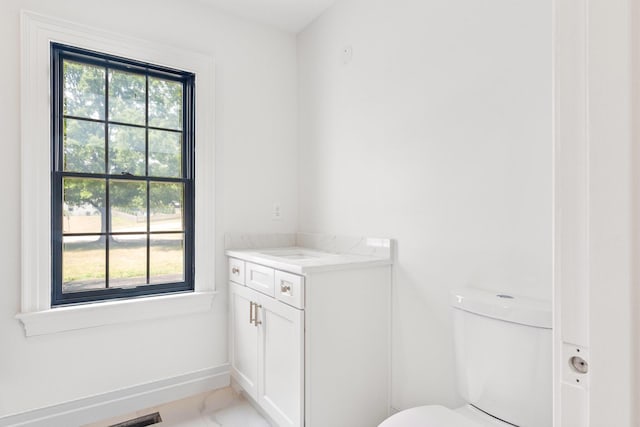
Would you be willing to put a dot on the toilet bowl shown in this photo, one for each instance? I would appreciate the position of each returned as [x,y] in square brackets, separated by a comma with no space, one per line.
[503,365]
[440,416]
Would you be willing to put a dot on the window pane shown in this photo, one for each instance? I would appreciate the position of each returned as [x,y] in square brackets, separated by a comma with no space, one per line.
[83,205]
[83,92]
[126,150]
[128,202]
[166,259]
[83,263]
[165,104]
[127,261]
[122,153]
[127,97]
[83,144]
[166,201]
[165,153]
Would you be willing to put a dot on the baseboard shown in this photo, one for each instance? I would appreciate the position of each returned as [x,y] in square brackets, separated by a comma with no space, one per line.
[95,408]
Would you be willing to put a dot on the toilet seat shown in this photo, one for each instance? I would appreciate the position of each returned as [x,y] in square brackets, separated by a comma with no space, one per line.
[428,416]
[481,419]
[440,416]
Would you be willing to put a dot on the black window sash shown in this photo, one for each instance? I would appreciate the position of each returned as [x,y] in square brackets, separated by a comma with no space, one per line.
[60,53]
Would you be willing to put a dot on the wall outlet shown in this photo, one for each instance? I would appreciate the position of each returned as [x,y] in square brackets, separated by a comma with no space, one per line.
[276,213]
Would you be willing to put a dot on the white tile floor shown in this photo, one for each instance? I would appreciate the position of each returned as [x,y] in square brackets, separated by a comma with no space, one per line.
[220,408]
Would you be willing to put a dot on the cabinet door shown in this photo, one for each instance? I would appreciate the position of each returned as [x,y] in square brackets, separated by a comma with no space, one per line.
[244,339]
[281,362]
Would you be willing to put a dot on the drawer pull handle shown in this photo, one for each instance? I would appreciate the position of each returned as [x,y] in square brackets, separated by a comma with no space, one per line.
[253,315]
[285,287]
[256,322]
[235,270]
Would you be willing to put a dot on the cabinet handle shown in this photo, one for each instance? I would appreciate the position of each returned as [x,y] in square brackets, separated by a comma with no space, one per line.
[285,289]
[256,322]
[251,319]
[235,270]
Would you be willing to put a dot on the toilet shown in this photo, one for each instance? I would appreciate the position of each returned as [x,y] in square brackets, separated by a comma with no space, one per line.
[503,365]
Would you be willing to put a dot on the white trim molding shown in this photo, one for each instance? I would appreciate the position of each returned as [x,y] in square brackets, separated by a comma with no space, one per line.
[38,32]
[595,220]
[571,195]
[84,316]
[103,406]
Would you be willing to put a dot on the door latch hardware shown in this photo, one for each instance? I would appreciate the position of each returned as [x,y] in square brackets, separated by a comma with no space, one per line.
[579,364]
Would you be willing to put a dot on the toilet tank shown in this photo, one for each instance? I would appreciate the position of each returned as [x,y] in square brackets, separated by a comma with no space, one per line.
[503,355]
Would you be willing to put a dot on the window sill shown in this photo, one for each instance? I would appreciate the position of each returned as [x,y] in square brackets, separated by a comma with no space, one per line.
[70,318]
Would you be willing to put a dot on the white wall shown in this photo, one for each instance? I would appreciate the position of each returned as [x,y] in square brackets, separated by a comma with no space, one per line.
[438,134]
[256,113]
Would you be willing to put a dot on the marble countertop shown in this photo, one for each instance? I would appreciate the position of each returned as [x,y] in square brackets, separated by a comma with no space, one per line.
[302,260]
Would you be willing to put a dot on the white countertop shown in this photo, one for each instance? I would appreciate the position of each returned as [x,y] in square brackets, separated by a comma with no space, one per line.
[300,260]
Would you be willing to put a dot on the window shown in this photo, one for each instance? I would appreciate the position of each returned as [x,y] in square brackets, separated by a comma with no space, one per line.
[39,312]
[122,181]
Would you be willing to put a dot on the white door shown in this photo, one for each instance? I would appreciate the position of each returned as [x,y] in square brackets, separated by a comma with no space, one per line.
[281,356]
[244,339]
[596,197]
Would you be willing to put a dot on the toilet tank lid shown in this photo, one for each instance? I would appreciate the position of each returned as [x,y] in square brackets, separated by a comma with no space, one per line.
[503,306]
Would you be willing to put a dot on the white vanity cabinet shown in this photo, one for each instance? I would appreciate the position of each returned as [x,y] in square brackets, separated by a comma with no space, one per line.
[267,353]
[311,348]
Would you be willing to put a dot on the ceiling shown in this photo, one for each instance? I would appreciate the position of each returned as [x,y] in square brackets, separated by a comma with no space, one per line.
[288,15]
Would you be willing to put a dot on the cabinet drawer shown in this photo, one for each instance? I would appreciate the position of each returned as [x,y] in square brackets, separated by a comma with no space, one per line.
[260,278]
[289,288]
[236,271]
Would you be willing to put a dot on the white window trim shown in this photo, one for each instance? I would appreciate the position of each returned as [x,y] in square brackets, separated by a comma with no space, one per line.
[36,314]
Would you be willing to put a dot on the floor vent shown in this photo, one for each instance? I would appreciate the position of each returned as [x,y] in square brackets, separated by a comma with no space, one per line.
[143,421]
